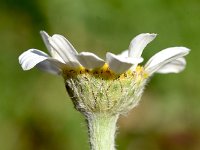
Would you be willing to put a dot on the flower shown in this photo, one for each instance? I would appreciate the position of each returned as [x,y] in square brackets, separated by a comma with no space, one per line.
[103,89]
[64,55]
[114,85]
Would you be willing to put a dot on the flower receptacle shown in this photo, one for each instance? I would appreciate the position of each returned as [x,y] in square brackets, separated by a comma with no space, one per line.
[117,95]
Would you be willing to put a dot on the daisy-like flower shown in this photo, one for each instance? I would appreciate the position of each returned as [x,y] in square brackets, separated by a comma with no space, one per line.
[103,89]
[64,55]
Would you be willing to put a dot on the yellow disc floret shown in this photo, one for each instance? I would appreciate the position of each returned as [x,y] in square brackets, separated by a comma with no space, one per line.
[105,73]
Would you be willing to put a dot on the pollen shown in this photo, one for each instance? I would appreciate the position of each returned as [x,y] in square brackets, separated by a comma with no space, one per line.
[106,73]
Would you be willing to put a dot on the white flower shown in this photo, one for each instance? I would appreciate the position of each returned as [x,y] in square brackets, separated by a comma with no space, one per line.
[64,55]
[102,90]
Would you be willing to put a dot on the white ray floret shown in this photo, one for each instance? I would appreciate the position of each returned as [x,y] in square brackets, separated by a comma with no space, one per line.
[138,44]
[63,54]
[65,50]
[51,50]
[117,63]
[164,57]
[33,57]
[90,60]
[175,66]
[132,57]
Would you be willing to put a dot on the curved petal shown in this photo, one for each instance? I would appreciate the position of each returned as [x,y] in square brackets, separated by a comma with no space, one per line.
[51,66]
[164,57]
[136,61]
[175,66]
[118,64]
[138,44]
[90,60]
[35,58]
[124,53]
[65,50]
[32,57]
[51,50]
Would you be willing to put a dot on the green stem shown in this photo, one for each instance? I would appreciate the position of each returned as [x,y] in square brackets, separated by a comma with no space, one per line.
[102,129]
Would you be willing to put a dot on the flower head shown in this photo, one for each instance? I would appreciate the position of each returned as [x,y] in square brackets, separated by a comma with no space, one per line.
[115,84]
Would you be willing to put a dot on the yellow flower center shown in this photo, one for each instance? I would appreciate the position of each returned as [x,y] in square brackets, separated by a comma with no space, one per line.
[104,72]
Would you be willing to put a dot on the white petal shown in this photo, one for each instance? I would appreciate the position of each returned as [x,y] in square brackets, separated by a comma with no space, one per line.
[175,66]
[133,60]
[51,50]
[90,60]
[118,64]
[45,38]
[64,43]
[138,44]
[124,53]
[65,50]
[164,57]
[33,58]
[51,66]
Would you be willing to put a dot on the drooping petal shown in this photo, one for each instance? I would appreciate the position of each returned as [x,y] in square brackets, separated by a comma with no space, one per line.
[138,44]
[164,57]
[117,63]
[31,57]
[174,66]
[51,50]
[90,60]
[51,66]
[36,58]
[65,50]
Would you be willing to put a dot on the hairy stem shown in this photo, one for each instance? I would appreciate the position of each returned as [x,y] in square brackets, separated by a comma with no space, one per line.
[102,128]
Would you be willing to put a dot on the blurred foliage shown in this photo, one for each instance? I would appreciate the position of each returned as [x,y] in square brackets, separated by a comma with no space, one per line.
[35,111]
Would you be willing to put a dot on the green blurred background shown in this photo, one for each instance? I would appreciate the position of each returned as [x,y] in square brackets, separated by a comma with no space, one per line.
[37,114]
